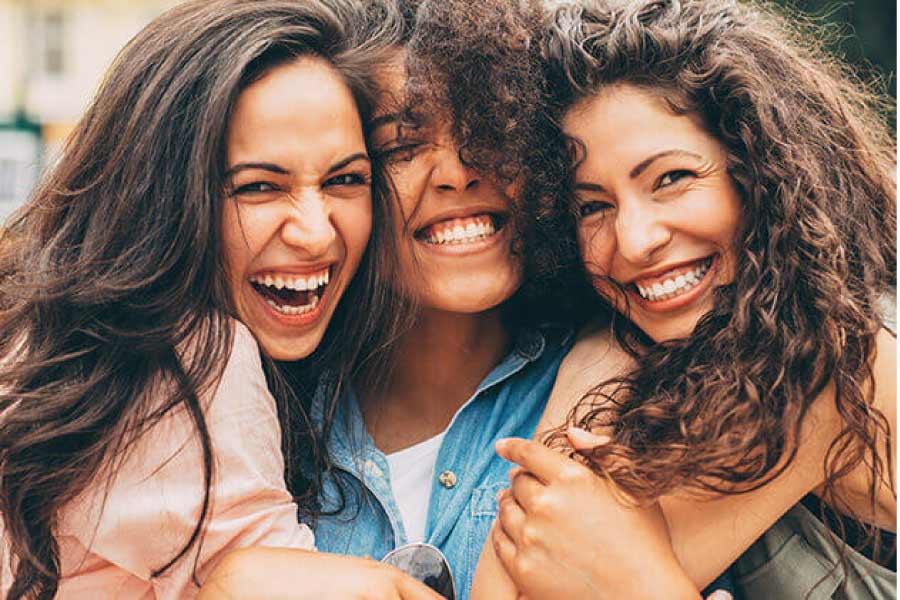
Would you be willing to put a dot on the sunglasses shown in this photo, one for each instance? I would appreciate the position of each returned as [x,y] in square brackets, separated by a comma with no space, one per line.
[424,563]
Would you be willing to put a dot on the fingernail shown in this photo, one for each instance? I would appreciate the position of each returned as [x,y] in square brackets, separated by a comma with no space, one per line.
[719,595]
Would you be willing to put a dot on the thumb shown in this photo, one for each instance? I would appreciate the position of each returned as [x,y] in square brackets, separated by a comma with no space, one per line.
[582,439]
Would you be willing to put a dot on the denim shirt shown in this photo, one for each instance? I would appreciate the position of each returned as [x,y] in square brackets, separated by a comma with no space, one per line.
[468,473]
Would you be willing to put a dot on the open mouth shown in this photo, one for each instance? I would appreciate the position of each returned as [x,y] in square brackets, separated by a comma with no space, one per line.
[463,230]
[290,293]
[675,283]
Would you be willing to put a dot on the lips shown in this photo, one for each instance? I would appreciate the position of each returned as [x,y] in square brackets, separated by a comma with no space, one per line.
[674,283]
[291,293]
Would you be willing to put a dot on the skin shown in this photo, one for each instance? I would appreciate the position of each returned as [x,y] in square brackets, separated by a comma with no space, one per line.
[299,198]
[650,202]
[458,336]
[706,534]
[457,340]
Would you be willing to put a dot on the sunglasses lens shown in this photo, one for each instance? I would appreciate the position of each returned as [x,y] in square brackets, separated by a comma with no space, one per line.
[426,564]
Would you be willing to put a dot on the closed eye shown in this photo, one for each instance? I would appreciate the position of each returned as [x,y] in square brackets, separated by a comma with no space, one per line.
[591,207]
[673,177]
[401,152]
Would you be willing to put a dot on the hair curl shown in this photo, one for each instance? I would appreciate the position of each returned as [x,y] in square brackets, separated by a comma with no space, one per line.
[813,160]
[115,263]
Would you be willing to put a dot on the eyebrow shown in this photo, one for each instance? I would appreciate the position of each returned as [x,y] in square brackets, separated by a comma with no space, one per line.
[639,168]
[279,170]
[642,166]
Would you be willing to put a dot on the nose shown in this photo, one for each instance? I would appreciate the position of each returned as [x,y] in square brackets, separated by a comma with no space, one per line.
[450,174]
[307,224]
[641,230]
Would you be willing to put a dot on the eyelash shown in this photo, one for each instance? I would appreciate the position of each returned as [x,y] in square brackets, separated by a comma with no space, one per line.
[681,174]
[248,188]
[592,207]
[401,152]
[346,179]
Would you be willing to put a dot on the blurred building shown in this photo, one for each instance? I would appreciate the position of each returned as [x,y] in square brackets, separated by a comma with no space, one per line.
[53,54]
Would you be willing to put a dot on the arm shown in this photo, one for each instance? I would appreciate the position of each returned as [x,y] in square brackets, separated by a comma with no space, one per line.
[709,534]
[151,506]
[287,574]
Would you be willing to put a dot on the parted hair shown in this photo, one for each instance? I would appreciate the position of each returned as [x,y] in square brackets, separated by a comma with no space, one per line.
[116,262]
[810,150]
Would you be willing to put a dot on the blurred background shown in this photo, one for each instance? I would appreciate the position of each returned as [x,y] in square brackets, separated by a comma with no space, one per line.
[53,54]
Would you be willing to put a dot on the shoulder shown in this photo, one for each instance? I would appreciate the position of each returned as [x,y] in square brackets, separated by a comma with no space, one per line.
[595,358]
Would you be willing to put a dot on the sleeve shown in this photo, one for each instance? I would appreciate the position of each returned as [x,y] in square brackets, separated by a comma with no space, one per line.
[152,504]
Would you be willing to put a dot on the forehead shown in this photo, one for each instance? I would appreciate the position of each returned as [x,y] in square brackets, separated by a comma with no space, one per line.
[295,107]
[626,117]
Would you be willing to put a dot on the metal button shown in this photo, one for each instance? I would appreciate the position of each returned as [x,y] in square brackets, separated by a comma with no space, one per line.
[447,479]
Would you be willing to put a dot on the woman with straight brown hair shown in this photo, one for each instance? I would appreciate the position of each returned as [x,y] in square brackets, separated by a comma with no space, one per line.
[212,206]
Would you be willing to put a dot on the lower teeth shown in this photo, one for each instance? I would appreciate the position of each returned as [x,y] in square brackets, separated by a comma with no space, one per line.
[294,310]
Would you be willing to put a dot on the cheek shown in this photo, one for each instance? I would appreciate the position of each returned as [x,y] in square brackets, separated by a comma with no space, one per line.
[355,223]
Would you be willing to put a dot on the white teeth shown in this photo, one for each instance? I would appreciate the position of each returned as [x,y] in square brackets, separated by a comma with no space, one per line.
[459,234]
[297,283]
[294,310]
[670,288]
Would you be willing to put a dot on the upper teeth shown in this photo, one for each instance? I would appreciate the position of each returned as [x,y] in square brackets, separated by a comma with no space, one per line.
[300,283]
[676,286]
[461,230]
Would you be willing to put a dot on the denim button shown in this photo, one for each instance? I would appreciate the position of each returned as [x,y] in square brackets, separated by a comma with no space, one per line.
[447,479]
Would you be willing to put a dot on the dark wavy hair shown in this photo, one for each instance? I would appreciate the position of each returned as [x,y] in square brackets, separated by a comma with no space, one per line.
[479,66]
[813,159]
[116,261]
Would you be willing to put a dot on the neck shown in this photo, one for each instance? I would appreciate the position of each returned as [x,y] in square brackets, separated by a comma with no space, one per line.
[440,362]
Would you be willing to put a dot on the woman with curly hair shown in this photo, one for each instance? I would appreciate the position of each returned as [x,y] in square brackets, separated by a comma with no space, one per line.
[733,199]
[213,205]
[414,457]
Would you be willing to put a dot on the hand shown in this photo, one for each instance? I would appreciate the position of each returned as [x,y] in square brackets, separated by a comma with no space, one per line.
[287,574]
[564,532]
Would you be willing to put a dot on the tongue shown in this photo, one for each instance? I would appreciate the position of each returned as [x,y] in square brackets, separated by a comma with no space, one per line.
[284,296]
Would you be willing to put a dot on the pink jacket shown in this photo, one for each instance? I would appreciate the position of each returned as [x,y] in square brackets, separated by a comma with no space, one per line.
[109,547]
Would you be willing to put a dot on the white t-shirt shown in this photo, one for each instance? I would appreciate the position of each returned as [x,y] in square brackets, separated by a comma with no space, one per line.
[412,474]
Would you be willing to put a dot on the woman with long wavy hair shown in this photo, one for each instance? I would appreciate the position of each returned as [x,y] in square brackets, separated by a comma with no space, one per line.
[733,198]
[214,204]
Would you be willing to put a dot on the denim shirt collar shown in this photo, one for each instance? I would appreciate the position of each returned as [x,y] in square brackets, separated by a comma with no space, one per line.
[529,345]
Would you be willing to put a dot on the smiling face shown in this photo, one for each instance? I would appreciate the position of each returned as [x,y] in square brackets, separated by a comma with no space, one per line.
[298,213]
[454,243]
[659,212]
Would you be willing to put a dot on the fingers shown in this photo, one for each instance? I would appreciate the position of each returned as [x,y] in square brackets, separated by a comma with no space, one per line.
[504,548]
[411,589]
[510,517]
[581,439]
[544,463]
[527,491]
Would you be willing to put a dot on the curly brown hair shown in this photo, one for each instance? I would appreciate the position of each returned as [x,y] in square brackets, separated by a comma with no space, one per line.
[478,66]
[813,159]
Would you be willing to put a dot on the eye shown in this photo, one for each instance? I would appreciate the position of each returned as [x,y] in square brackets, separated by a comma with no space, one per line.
[591,207]
[673,177]
[257,187]
[348,179]
[401,152]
